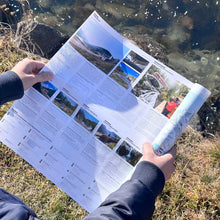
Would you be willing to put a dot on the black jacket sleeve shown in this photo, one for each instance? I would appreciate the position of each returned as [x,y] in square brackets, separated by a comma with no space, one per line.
[11,207]
[135,199]
[11,87]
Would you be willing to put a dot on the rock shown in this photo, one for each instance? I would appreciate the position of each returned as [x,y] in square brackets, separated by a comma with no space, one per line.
[186,22]
[204,61]
[115,10]
[39,38]
[207,120]
[195,123]
[144,41]
[48,19]
[46,4]
[151,47]
[209,115]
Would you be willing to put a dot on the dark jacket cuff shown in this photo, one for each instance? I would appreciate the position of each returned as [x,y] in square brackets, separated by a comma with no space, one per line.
[151,176]
[11,87]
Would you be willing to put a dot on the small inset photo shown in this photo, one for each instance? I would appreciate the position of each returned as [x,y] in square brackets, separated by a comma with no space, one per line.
[47,89]
[135,61]
[161,90]
[106,135]
[65,103]
[85,119]
[124,75]
[128,153]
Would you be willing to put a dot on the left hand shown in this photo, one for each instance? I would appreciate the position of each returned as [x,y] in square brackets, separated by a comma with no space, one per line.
[28,71]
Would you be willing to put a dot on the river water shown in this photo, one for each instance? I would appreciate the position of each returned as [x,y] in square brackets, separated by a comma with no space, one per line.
[185,35]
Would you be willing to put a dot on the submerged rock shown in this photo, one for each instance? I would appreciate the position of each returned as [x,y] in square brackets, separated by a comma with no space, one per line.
[201,66]
[12,12]
[5,13]
[46,4]
[138,35]
[150,46]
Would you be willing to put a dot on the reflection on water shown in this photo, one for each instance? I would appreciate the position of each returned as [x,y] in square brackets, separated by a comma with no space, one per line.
[187,31]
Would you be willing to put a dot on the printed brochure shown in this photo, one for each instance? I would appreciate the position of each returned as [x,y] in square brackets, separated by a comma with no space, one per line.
[84,129]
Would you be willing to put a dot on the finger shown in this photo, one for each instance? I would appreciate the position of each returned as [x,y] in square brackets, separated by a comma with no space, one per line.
[170,156]
[36,66]
[173,151]
[170,171]
[45,76]
[147,147]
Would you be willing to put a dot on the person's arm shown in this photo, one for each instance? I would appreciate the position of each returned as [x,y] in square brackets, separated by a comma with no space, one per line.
[135,199]
[21,77]
[12,86]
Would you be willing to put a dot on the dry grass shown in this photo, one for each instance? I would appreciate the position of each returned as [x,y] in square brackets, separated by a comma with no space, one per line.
[9,55]
[192,193]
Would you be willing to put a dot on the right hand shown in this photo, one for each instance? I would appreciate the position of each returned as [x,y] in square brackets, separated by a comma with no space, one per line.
[164,162]
[28,71]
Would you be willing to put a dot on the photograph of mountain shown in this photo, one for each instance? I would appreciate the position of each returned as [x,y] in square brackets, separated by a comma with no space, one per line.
[98,46]
[135,61]
[47,89]
[65,103]
[128,153]
[107,136]
[85,119]
[124,75]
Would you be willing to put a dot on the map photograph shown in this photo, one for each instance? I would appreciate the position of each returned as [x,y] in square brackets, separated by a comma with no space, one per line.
[98,46]
[128,153]
[135,61]
[85,119]
[65,103]
[124,75]
[47,89]
[107,136]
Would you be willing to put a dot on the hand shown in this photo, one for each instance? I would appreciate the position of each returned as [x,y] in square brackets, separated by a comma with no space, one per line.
[164,162]
[28,71]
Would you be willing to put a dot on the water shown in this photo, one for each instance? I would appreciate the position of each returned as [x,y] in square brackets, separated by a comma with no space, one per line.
[185,35]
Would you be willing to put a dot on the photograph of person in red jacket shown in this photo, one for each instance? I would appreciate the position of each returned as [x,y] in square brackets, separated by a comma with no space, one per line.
[170,107]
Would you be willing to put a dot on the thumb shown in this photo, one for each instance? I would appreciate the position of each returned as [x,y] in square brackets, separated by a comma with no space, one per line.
[44,76]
